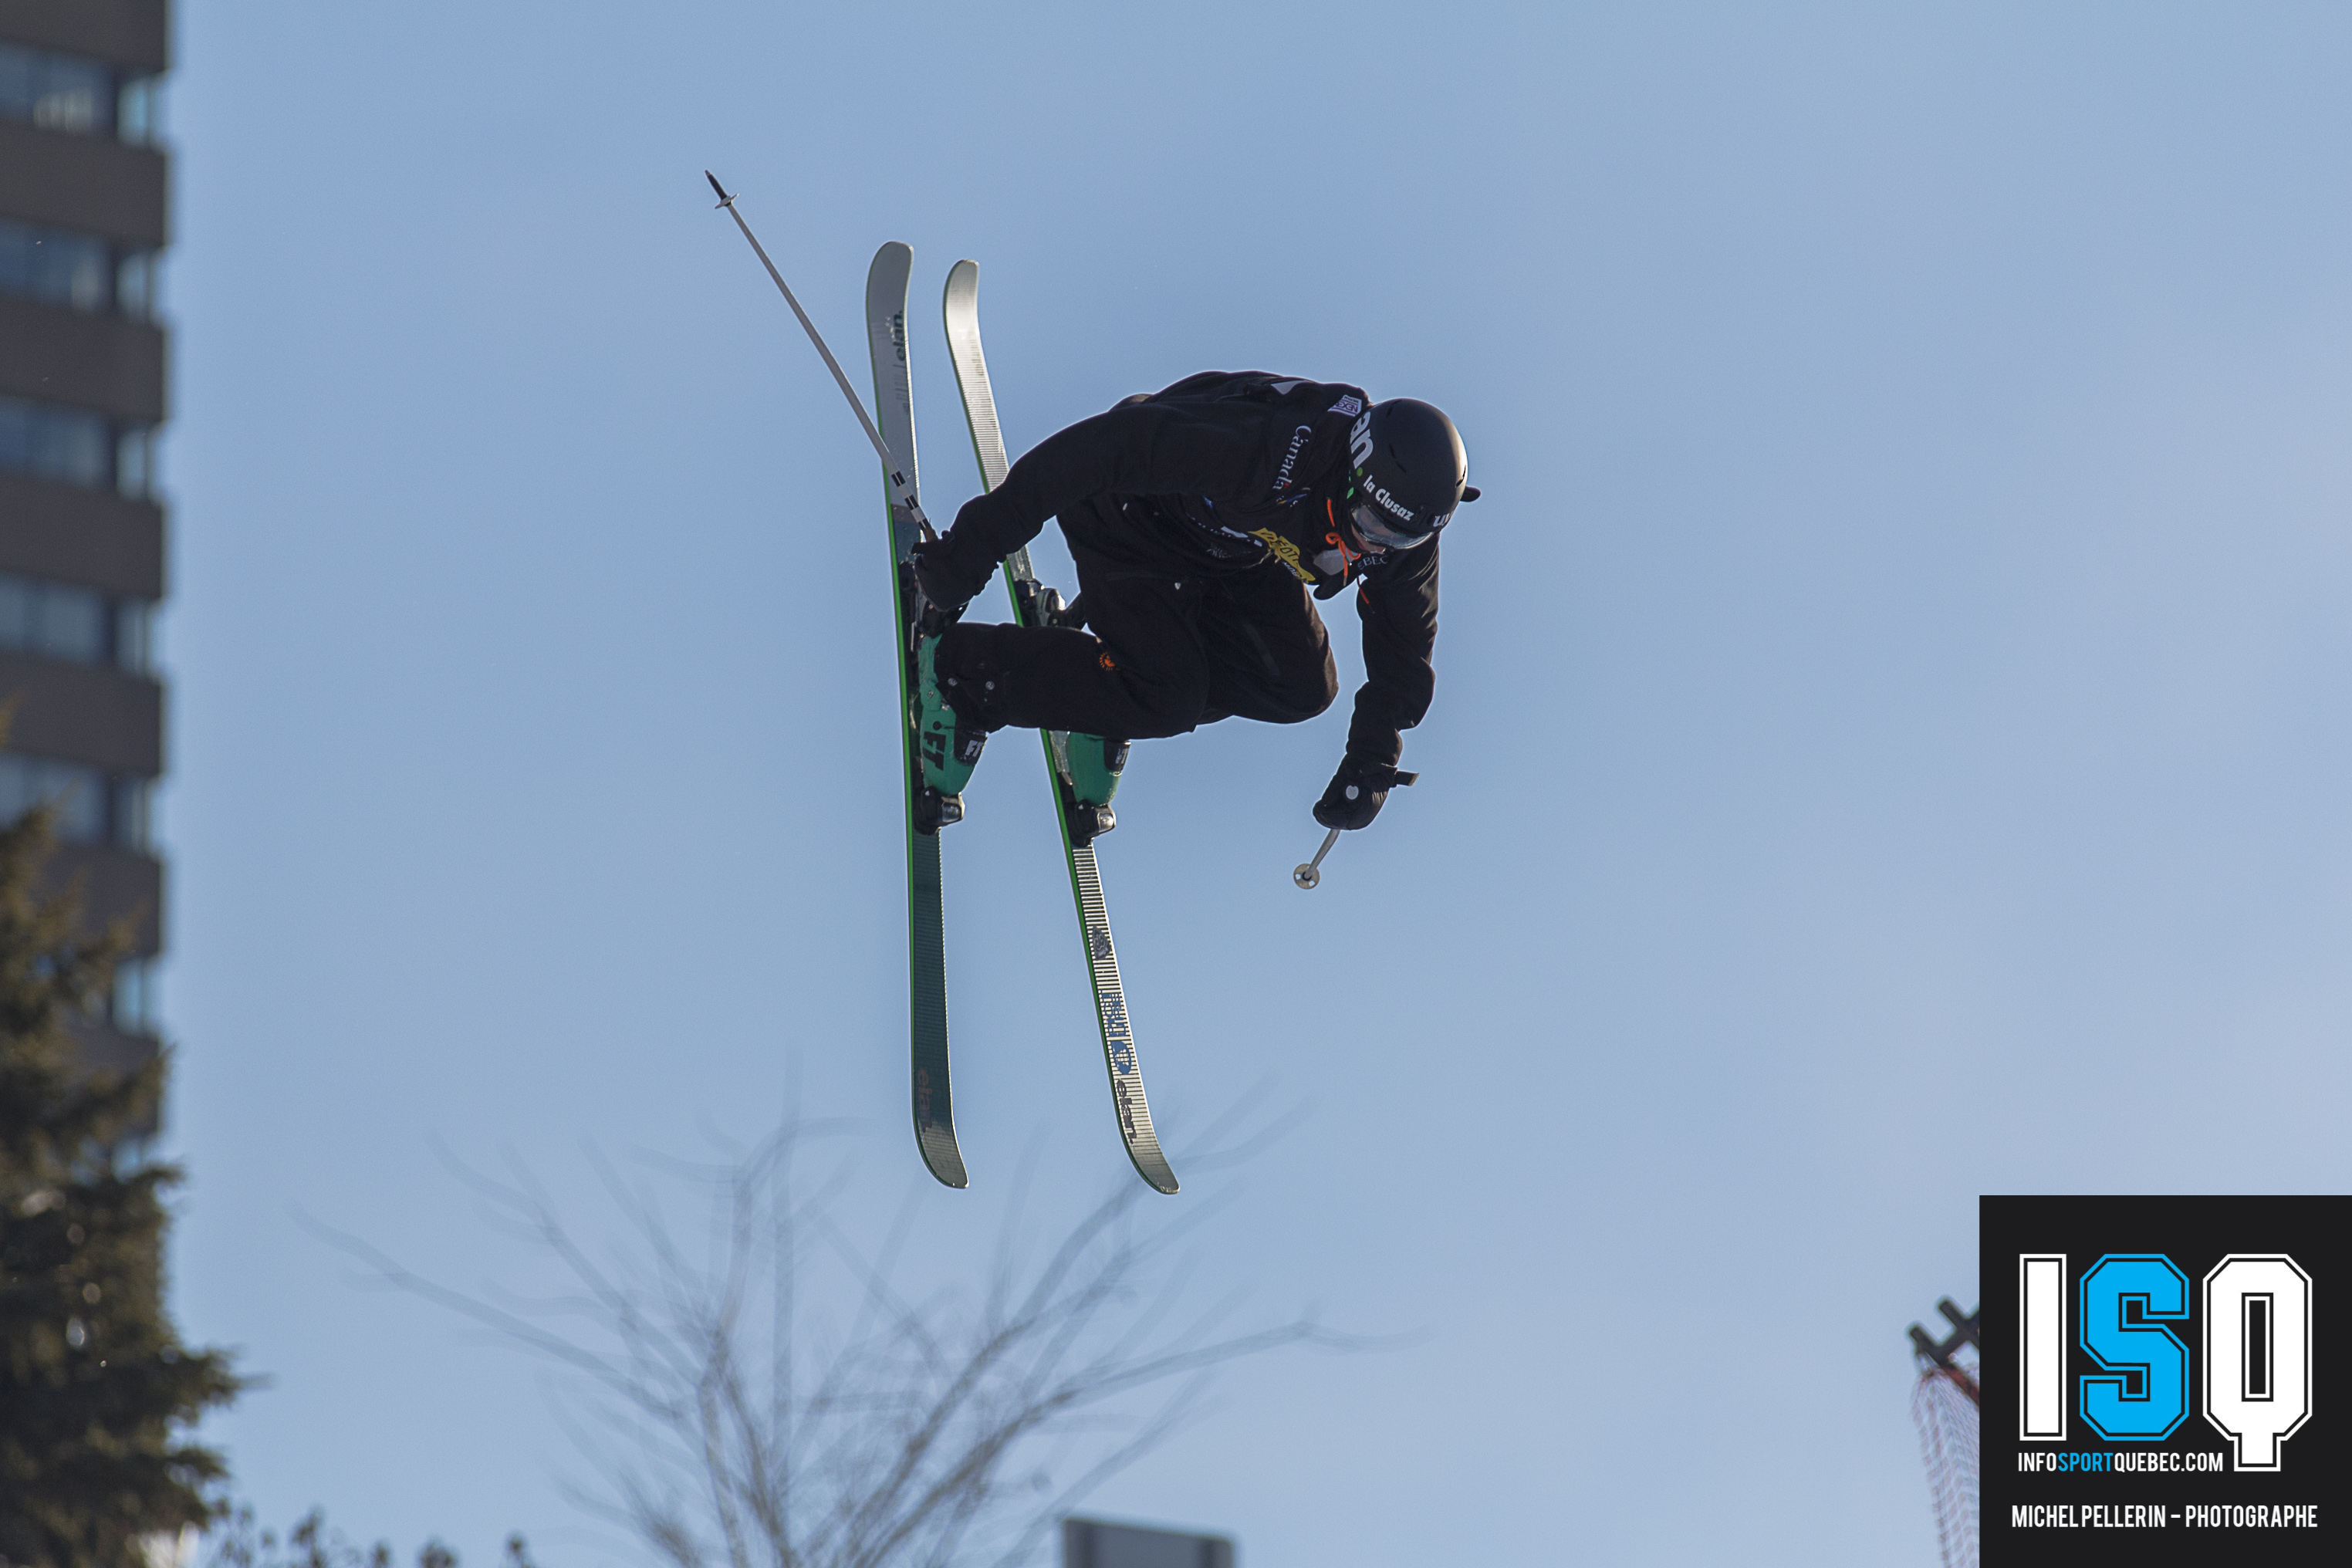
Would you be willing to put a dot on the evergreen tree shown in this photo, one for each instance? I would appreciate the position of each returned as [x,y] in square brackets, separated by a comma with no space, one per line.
[240,1541]
[96,1391]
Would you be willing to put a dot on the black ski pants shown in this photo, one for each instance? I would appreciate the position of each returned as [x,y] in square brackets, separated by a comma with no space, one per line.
[1167,649]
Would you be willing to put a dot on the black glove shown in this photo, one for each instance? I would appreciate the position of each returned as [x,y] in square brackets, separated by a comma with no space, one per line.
[1357,792]
[946,584]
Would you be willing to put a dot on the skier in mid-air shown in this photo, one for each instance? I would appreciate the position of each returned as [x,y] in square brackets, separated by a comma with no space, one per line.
[1201,519]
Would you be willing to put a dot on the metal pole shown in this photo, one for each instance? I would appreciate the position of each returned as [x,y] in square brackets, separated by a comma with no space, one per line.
[899,484]
[1307,875]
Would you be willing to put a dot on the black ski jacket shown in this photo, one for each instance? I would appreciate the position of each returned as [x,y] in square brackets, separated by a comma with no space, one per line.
[1221,472]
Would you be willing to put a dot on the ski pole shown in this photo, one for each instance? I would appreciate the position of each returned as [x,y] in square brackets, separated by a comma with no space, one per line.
[1307,875]
[900,487]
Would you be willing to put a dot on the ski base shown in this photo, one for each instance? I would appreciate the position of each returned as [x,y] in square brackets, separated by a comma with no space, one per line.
[1033,604]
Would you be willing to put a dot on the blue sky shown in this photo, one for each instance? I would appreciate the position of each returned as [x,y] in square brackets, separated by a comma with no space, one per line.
[1888,747]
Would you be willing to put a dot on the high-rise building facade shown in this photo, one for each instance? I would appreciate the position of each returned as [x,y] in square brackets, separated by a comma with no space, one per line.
[83,217]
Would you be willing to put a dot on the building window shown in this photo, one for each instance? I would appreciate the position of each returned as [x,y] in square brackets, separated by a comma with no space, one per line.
[53,266]
[134,462]
[139,111]
[134,637]
[75,793]
[55,93]
[53,442]
[59,267]
[82,626]
[135,285]
[54,619]
[70,94]
[132,1008]
[92,808]
[76,447]
[130,815]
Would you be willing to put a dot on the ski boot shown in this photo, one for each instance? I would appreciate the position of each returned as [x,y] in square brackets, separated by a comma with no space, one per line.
[1089,766]
[949,748]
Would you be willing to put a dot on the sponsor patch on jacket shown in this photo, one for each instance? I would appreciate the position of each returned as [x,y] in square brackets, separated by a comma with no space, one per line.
[1299,440]
[1350,406]
[1284,551]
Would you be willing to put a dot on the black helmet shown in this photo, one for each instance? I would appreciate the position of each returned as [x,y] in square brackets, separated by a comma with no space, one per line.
[1407,468]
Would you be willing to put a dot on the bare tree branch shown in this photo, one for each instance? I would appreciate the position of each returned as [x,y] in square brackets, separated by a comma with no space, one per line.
[773,1398]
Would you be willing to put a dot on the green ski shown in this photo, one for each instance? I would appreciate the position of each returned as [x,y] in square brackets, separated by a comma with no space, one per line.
[894,409]
[1034,605]
[926,810]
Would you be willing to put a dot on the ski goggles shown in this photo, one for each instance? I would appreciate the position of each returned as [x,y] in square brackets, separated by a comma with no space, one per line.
[1374,527]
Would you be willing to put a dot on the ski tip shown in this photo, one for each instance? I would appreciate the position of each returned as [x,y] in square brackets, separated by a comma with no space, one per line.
[724,199]
[940,1156]
[1152,1166]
